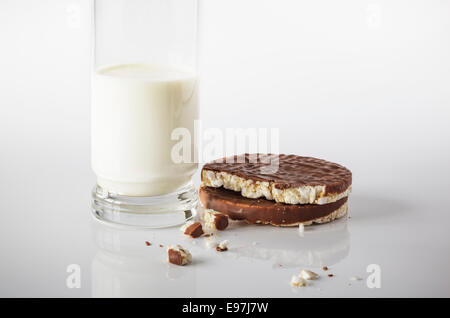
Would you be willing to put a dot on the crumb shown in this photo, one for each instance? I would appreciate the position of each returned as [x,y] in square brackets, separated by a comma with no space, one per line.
[307,274]
[194,230]
[325,268]
[297,281]
[354,278]
[215,220]
[220,221]
[186,225]
[178,255]
[223,246]
[148,243]
[221,249]
[160,245]
[330,275]
[208,234]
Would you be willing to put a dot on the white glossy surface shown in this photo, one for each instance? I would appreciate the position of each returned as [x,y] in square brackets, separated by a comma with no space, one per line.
[378,93]
[49,229]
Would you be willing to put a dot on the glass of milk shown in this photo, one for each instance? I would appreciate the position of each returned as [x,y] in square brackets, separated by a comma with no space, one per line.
[144,87]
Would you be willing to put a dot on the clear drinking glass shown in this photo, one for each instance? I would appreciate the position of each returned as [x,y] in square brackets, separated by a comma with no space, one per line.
[144,87]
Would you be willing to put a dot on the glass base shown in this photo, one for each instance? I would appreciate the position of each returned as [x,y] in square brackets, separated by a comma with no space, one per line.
[145,212]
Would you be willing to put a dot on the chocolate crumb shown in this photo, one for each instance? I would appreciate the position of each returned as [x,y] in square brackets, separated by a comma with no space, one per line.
[330,275]
[325,268]
[178,255]
[148,243]
[221,249]
[175,257]
[220,221]
[194,230]
[160,245]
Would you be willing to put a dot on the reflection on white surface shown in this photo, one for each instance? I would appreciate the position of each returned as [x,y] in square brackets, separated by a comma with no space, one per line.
[319,245]
[125,267]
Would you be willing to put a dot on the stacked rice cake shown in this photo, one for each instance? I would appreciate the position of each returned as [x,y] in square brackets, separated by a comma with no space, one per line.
[282,190]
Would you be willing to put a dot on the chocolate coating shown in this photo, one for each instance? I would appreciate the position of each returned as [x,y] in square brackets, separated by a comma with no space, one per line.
[293,171]
[238,207]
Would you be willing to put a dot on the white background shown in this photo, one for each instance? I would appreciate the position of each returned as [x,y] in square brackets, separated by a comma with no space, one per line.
[362,83]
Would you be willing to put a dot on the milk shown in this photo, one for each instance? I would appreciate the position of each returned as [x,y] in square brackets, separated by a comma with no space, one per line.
[134,109]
